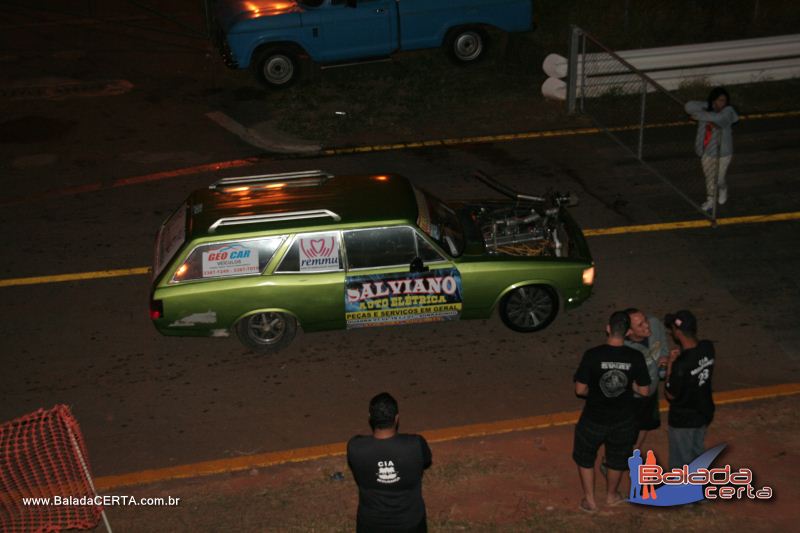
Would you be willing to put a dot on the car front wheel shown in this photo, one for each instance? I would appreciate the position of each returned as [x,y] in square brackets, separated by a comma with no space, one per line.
[266,332]
[276,68]
[466,45]
[529,308]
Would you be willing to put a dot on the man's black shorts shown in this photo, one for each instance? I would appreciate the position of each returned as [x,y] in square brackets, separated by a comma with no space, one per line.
[618,438]
[422,527]
[647,415]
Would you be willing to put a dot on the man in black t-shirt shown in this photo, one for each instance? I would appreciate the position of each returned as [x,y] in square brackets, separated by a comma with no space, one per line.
[387,467]
[688,389]
[607,377]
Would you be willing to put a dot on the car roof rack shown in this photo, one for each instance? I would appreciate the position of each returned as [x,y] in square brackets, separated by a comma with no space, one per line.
[308,178]
[274,217]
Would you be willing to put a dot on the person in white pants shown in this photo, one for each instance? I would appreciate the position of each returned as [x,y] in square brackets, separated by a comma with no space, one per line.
[714,141]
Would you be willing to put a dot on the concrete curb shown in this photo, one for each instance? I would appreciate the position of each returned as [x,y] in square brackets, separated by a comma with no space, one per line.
[263,135]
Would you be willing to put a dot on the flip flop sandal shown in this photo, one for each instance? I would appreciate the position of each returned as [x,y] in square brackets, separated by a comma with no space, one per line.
[584,506]
[620,501]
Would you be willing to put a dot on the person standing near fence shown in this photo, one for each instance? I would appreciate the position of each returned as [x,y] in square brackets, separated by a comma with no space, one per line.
[388,468]
[714,142]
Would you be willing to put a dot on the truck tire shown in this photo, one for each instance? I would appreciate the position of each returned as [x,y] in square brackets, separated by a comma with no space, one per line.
[529,308]
[266,333]
[466,45]
[276,67]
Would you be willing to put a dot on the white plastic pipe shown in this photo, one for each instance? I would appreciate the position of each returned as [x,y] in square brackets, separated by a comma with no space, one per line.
[647,59]
[554,89]
[675,78]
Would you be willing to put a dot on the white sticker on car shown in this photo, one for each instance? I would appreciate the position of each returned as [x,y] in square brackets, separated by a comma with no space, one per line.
[209,317]
[319,253]
[231,259]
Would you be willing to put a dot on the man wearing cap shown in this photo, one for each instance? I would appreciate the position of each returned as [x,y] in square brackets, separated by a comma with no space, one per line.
[607,377]
[688,389]
[387,467]
[648,336]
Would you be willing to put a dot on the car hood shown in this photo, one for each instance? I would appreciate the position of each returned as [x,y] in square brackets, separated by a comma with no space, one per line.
[232,11]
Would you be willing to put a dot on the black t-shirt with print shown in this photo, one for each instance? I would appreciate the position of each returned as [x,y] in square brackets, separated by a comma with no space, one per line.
[689,384]
[389,477]
[610,372]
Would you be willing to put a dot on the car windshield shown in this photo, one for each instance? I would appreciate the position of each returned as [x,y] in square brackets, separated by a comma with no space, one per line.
[440,222]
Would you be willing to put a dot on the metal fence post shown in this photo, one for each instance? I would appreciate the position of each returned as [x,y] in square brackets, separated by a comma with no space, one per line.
[207,12]
[572,69]
[641,119]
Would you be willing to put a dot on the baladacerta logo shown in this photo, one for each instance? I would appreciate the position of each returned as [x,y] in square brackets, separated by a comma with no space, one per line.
[652,485]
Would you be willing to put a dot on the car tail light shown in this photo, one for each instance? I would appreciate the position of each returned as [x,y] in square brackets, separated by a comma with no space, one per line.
[156,309]
[588,276]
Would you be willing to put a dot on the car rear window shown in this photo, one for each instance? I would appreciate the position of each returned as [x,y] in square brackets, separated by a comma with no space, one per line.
[227,259]
[170,238]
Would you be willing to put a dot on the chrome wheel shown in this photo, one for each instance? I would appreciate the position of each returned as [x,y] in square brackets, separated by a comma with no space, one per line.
[266,332]
[266,328]
[529,308]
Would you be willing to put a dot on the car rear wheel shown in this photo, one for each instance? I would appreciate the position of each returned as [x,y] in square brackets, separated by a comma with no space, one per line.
[266,332]
[466,45]
[276,68]
[529,308]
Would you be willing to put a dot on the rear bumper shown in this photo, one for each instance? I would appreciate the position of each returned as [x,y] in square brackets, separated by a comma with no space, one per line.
[575,297]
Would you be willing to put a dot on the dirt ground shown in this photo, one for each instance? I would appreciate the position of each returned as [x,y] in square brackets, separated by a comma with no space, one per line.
[524,481]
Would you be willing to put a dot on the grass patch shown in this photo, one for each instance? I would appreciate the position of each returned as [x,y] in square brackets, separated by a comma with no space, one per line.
[456,470]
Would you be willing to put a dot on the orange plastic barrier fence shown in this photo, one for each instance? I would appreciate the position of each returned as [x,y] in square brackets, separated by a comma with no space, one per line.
[45,482]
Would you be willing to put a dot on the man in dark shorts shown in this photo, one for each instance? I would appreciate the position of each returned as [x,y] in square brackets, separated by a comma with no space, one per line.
[387,467]
[607,377]
[688,389]
[648,336]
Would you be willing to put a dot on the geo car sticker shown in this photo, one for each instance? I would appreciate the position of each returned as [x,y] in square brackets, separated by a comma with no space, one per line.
[230,260]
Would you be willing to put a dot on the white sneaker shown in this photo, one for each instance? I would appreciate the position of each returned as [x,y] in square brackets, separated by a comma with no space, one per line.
[722,196]
[708,205]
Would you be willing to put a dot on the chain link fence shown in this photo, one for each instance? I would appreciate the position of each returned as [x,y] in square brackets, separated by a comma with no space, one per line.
[648,122]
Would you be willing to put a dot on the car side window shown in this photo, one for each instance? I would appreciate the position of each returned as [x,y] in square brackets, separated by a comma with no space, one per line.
[385,247]
[313,252]
[227,259]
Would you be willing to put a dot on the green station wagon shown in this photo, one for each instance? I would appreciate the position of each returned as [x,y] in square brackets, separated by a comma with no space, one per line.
[260,255]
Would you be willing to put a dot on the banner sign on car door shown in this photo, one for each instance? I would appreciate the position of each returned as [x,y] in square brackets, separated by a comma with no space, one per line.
[402,298]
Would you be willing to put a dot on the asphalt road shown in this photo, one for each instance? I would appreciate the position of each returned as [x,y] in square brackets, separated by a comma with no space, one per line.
[146,401]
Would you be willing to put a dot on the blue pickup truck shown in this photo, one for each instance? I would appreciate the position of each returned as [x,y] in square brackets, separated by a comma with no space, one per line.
[274,38]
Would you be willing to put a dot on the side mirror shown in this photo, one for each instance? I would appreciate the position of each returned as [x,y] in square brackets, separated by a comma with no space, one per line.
[417,266]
